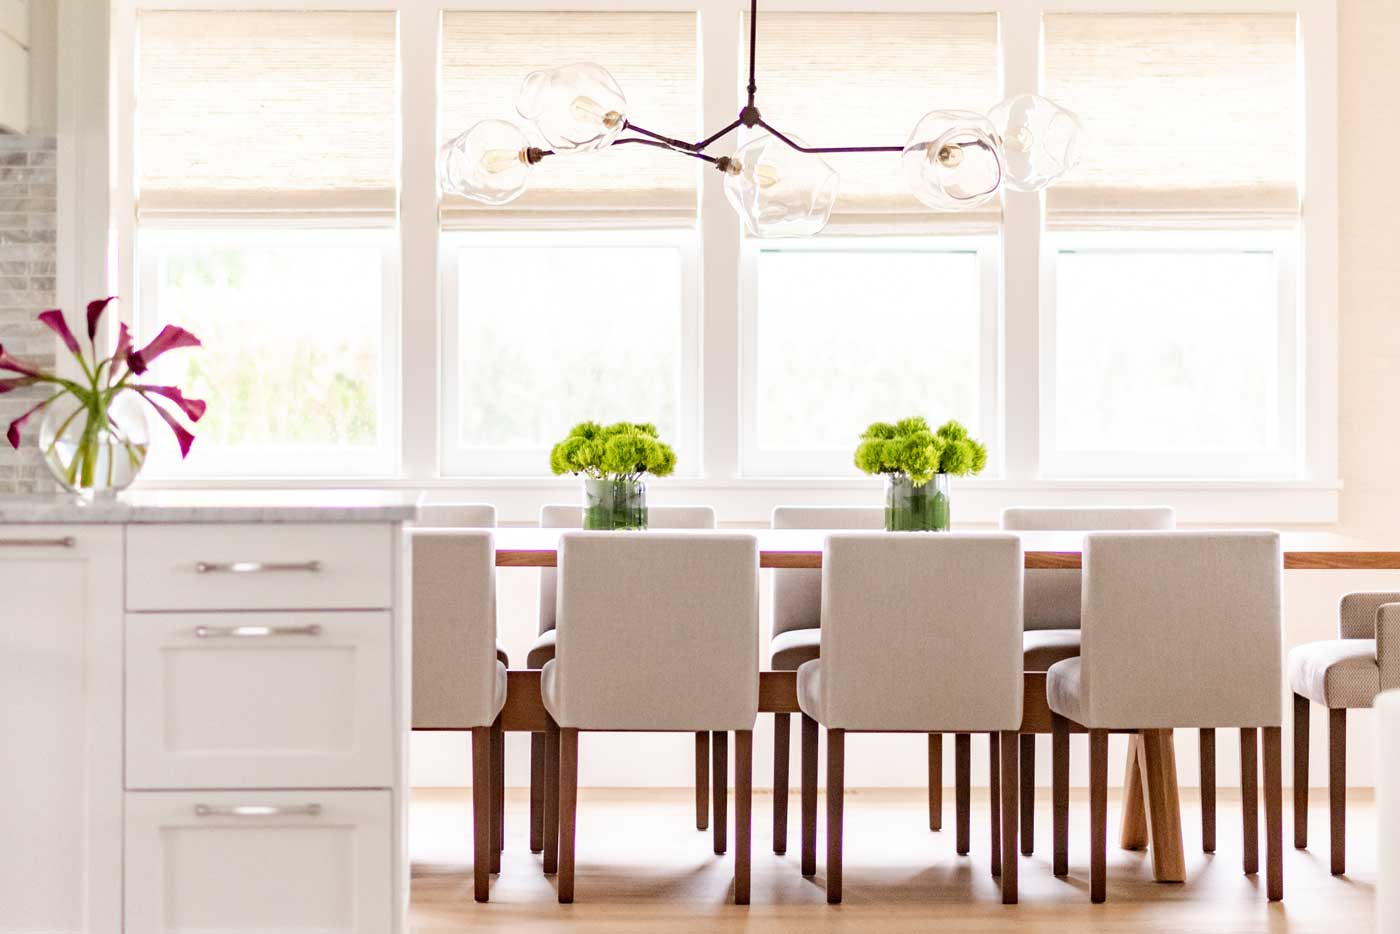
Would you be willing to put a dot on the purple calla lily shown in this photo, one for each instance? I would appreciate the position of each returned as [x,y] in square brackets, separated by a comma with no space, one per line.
[169,338]
[94,314]
[12,434]
[53,320]
[18,382]
[193,408]
[182,435]
[15,365]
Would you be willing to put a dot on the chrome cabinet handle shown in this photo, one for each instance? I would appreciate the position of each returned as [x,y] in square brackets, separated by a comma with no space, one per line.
[257,810]
[253,632]
[254,567]
[66,541]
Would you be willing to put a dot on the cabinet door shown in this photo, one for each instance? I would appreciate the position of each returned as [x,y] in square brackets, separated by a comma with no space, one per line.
[60,728]
[259,862]
[259,700]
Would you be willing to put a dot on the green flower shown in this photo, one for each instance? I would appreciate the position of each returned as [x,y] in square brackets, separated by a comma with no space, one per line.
[619,451]
[909,448]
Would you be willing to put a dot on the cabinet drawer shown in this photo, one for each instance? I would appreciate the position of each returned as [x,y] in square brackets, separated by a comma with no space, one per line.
[258,863]
[259,567]
[259,700]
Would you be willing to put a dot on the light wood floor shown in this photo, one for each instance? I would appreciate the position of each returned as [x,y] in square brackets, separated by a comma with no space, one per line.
[642,867]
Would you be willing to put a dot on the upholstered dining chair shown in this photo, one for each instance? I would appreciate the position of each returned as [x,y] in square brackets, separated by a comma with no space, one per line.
[542,650]
[1052,607]
[656,631]
[1180,629]
[920,634]
[458,683]
[1341,674]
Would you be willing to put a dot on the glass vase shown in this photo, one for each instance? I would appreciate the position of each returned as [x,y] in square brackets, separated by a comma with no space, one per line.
[911,507]
[610,505]
[91,451]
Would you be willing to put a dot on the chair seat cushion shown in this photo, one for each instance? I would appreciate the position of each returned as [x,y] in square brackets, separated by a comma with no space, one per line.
[809,689]
[1045,647]
[791,649]
[1336,672]
[549,689]
[501,655]
[541,650]
[1063,690]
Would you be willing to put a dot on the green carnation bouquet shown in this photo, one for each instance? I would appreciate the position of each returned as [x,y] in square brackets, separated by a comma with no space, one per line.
[917,462]
[613,460]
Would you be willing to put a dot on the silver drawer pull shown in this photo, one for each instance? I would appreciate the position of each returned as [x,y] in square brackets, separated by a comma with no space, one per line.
[255,567]
[66,541]
[253,632]
[257,810]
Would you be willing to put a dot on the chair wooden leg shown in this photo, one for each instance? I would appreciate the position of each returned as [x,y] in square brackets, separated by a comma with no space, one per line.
[481,812]
[743,814]
[1098,814]
[994,780]
[1337,786]
[498,794]
[1273,809]
[1249,797]
[1059,780]
[1208,790]
[962,790]
[809,796]
[568,811]
[551,799]
[1009,820]
[1028,794]
[536,792]
[1134,831]
[719,782]
[835,811]
[1302,717]
[702,780]
[782,742]
[935,781]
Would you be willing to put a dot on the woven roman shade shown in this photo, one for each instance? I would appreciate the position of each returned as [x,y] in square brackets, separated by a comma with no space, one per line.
[1190,119]
[266,112]
[865,79]
[652,55]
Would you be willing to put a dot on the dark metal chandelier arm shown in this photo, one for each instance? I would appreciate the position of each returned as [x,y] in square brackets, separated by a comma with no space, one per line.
[753,50]
[661,145]
[820,149]
[681,145]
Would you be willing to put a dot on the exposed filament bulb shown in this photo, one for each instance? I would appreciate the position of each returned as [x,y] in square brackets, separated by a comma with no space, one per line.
[496,161]
[588,110]
[767,176]
[950,156]
[1020,139]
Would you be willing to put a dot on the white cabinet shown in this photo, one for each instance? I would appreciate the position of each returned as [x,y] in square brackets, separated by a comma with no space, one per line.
[60,729]
[259,862]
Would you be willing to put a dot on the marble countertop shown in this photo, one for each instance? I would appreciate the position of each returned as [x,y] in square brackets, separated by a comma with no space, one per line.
[196,506]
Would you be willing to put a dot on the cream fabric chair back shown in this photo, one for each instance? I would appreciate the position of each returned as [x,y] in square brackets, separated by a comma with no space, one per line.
[454,628]
[1388,811]
[656,631]
[1182,629]
[571,517]
[1052,595]
[921,632]
[456,516]
[797,594]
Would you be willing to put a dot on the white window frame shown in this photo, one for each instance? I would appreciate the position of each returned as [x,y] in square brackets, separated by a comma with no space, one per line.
[464,461]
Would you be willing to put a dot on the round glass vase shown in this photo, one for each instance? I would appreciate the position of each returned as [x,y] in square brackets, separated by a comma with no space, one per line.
[609,505]
[911,507]
[92,451]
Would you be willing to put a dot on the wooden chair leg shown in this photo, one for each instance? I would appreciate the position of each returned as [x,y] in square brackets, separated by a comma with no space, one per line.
[702,780]
[1249,797]
[551,799]
[962,790]
[719,782]
[568,812]
[1208,790]
[809,796]
[1028,794]
[935,781]
[1098,814]
[1009,820]
[498,794]
[743,814]
[1337,786]
[994,780]
[1302,717]
[481,812]
[1273,809]
[835,813]
[1059,780]
[536,792]
[782,743]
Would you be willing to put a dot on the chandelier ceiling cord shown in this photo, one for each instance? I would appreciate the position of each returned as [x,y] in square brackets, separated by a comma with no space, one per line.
[954,159]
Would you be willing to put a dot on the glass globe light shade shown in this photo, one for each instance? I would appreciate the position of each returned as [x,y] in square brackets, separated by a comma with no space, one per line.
[577,108]
[778,191]
[1040,140]
[489,163]
[952,161]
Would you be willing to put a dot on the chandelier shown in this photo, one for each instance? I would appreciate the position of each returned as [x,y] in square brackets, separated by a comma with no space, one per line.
[954,160]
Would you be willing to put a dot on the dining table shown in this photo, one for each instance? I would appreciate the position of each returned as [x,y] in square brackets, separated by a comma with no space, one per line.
[1151,812]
